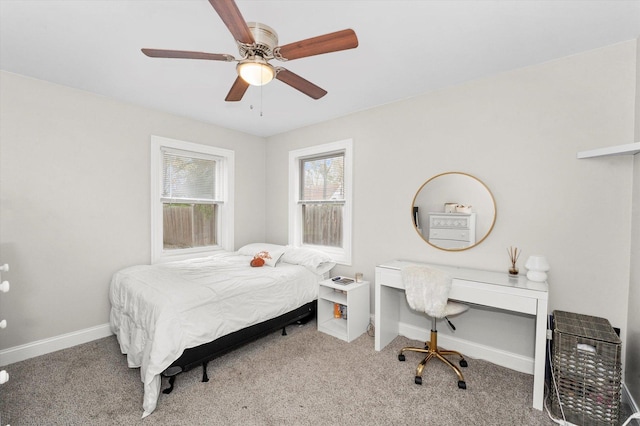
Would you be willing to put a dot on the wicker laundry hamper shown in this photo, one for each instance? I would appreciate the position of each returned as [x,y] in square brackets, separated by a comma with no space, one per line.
[587,370]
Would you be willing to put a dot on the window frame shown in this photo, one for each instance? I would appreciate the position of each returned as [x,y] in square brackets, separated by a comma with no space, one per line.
[342,255]
[225,184]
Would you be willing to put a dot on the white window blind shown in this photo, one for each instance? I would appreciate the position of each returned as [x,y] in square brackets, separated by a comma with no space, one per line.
[188,178]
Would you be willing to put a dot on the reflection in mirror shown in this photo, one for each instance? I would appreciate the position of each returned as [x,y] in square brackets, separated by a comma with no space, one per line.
[453,211]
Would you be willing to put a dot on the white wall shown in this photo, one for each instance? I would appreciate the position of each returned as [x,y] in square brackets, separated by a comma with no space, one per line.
[519,133]
[632,365]
[74,199]
[632,362]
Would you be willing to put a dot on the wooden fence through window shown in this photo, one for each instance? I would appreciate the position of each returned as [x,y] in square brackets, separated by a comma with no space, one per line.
[322,224]
[189,225]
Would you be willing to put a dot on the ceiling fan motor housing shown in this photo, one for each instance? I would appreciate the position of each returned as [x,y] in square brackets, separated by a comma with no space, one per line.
[266,40]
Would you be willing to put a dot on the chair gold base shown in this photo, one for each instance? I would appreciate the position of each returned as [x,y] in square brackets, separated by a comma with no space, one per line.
[432,351]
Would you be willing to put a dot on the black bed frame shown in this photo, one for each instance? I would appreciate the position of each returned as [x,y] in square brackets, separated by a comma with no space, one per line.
[201,355]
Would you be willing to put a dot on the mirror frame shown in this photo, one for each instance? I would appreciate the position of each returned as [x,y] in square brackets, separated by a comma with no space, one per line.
[493,201]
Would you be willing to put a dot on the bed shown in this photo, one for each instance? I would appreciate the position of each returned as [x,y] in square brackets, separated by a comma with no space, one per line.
[170,317]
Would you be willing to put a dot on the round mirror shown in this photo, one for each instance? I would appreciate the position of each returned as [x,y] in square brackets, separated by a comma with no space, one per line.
[453,211]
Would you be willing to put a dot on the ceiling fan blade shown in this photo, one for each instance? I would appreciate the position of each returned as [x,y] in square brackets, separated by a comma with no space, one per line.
[299,83]
[183,54]
[232,18]
[332,42]
[237,90]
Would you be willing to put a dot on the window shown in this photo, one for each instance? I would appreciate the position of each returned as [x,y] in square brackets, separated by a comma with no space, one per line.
[191,202]
[320,199]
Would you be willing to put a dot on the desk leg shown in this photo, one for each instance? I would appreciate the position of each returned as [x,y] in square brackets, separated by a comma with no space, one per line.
[540,358]
[387,314]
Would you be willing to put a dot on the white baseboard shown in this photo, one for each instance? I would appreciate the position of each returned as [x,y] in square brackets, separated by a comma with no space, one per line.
[506,359]
[45,346]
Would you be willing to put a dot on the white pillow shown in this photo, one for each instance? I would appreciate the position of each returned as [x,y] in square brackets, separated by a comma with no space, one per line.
[255,248]
[314,260]
[275,256]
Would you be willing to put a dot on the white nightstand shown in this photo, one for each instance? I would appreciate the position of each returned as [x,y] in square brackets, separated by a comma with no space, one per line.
[355,297]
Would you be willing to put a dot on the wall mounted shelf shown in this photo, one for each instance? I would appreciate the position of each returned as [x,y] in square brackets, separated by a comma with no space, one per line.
[628,149]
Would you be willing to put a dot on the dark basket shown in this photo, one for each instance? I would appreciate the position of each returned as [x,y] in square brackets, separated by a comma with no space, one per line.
[587,370]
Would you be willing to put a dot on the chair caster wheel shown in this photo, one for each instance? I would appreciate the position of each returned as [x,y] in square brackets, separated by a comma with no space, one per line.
[463,363]
[418,380]
[462,384]
[401,357]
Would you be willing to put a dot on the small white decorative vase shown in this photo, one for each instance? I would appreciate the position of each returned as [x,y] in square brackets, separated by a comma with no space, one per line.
[537,276]
[537,268]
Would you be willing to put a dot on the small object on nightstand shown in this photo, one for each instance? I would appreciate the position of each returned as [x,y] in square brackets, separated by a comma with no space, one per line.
[336,310]
[343,311]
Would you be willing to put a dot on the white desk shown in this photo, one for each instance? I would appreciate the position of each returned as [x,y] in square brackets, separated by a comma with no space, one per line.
[493,289]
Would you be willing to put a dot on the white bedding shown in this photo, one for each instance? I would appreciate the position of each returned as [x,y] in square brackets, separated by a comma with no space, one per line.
[158,311]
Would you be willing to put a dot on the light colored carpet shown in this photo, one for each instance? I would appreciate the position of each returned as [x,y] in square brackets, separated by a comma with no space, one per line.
[305,378]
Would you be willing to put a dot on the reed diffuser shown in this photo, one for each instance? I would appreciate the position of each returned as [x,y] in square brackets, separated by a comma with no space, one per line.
[514,254]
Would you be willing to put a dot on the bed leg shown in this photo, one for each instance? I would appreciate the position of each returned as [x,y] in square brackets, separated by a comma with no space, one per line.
[284,331]
[168,390]
[205,378]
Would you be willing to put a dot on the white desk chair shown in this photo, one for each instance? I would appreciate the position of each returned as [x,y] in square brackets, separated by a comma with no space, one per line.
[427,290]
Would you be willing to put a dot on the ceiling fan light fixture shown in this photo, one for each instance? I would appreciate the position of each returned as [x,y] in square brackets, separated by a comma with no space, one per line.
[256,71]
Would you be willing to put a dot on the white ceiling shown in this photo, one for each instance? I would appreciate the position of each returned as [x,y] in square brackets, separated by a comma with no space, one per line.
[406,48]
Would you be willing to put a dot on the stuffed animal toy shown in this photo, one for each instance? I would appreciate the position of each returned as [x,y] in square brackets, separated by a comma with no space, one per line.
[257,262]
[258,259]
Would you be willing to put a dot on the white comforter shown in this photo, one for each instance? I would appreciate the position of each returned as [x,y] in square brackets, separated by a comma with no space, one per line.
[160,310]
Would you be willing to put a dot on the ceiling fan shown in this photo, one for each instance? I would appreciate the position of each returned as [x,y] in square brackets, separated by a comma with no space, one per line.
[257,45]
